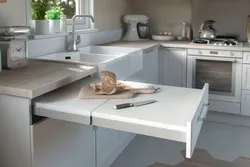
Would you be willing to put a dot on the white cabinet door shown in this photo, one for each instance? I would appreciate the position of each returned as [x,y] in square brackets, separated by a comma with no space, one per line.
[245,104]
[246,77]
[149,73]
[173,67]
[246,57]
[110,144]
[62,144]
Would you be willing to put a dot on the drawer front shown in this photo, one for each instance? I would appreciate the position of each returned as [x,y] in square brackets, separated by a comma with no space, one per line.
[246,77]
[198,52]
[245,104]
[224,107]
[194,127]
[161,119]
[53,139]
[246,57]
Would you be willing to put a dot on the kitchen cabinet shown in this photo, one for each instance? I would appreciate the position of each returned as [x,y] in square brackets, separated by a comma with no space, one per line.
[149,73]
[151,120]
[173,67]
[62,144]
[246,77]
[246,57]
[110,144]
[245,104]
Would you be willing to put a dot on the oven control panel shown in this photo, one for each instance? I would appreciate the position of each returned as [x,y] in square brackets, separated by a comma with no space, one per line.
[214,53]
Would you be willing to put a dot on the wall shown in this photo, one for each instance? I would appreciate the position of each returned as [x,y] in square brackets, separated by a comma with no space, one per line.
[230,16]
[13,13]
[108,13]
[165,15]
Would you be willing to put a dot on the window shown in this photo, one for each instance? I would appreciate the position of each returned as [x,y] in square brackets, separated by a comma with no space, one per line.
[72,7]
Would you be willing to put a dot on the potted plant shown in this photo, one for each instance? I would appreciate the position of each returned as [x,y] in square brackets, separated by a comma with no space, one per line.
[38,9]
[54,15]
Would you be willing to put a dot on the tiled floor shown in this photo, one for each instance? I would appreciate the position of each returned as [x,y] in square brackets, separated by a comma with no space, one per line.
[202,158]
[223,142]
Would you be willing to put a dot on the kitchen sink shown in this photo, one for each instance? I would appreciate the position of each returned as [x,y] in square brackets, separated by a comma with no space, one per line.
[107,50]
[77,57]
[124,62]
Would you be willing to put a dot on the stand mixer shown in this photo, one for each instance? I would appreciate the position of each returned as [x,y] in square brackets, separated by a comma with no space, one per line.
[132,22]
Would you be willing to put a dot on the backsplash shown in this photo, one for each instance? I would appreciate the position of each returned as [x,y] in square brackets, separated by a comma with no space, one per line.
[230,16]
[53,45]
[165,15]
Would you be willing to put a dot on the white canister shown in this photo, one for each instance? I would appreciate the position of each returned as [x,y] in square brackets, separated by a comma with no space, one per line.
[41,27]
[63,23]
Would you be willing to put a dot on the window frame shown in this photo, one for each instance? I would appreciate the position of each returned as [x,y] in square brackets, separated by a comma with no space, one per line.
[86,7]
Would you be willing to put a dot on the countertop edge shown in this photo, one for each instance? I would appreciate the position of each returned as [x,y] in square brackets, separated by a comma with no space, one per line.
[30,94]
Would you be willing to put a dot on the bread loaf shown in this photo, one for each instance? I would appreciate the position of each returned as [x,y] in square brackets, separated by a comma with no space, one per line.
[109,85]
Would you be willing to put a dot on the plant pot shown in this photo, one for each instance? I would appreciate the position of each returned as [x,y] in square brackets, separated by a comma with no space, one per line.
[54,26]
[41,27]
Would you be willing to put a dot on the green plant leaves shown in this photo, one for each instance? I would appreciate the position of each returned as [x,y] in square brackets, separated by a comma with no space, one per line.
[38,9]
[45,9]
[54,13]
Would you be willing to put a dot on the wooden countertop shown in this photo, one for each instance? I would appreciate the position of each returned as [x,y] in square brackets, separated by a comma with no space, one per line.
[41,77]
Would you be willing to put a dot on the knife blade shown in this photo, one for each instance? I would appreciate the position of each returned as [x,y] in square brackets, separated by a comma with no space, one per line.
[137,104]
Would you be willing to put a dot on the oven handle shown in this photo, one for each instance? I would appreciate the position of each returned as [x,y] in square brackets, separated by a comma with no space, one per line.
[216,59]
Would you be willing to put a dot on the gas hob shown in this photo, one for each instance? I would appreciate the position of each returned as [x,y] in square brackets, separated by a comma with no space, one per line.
[227,42]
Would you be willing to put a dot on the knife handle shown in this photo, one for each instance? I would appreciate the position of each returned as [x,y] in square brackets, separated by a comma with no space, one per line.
[121,106]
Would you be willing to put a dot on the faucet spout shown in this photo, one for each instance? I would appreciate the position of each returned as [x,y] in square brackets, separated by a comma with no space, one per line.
[74,43]
[87,16]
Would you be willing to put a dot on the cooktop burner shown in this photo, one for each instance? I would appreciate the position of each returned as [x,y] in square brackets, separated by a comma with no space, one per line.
[217,41]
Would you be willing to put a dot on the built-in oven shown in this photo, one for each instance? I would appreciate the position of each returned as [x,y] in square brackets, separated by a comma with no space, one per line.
[222,70]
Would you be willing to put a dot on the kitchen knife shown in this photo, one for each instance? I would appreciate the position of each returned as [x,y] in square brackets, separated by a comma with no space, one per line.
[137,104]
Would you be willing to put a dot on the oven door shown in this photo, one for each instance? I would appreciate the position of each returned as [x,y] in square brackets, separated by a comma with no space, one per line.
[222,74]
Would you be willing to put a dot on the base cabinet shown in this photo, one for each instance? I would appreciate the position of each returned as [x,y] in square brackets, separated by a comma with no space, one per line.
[246,77]
[62,144]
[149,74]
[245,104]
[173,67]
[110,144]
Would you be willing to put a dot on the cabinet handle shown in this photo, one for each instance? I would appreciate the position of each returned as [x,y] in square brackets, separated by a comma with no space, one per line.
[176,49]
[149,51]
[204,112]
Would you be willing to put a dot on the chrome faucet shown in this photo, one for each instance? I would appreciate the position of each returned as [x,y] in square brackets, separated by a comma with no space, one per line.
[74,41]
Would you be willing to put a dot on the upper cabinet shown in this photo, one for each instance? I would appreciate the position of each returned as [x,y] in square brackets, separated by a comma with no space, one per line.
[173,67]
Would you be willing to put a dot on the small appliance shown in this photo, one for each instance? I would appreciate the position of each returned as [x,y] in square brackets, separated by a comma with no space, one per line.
[13,47]
[132,30]
[143,30]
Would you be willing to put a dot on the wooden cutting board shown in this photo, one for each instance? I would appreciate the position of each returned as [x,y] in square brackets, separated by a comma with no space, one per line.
[87,93]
